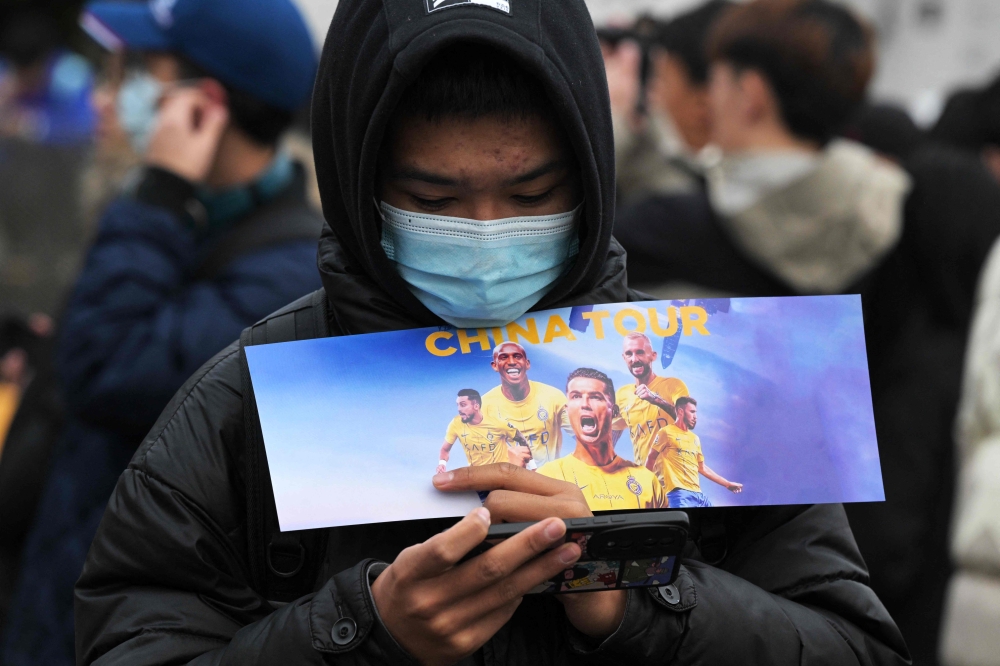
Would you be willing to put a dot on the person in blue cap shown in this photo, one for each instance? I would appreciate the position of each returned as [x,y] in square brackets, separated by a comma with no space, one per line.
[214,234]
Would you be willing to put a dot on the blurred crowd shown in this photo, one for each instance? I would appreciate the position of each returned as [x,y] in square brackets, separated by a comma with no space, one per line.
[750,162]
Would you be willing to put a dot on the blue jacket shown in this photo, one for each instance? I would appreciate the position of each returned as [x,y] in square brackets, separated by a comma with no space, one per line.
[136,327]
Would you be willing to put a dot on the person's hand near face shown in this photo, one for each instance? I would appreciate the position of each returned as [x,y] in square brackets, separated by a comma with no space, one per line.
[187,134]
[191,120]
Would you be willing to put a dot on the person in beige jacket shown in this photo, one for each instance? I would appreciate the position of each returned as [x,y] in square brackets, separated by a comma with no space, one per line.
[970,635]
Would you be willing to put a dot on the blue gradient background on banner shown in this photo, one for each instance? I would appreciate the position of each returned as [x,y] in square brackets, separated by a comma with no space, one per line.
[353,425]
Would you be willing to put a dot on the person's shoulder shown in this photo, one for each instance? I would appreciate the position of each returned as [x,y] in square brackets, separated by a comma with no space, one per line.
[624,392]
[493,395]
[554,468]
[196,445]
[670,382]
[642,474]
[455,423]
[491,421]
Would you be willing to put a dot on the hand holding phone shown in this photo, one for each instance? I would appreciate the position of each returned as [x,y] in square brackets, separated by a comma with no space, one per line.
[518,495]
[188,130]
[441,609]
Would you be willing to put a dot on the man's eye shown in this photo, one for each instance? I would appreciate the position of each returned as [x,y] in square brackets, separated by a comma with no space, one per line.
[527,199]
[431,204]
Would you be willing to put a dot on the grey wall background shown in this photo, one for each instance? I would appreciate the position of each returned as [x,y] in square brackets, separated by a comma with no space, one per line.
[927,47]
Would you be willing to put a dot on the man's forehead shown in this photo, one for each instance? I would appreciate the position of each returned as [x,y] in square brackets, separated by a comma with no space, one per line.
[637,343]
[510,348]
[586,384]
[461,152]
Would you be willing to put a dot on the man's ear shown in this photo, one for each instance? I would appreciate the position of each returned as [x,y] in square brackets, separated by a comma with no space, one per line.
[759,101]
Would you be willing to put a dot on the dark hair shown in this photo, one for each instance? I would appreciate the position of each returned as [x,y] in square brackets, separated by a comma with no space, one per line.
[471,81]
[259,120]
[685,400]
[471,394]
[885,128]
[817,56]
[590,373]
[28,37]
[971,118]
[686,37]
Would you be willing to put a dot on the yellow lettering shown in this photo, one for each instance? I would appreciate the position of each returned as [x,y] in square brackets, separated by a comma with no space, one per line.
[597,317]
[431,343]
[465,342]
[530,334]
[640,322]
[557,328]
[654,322]
[694,317]
[497,335]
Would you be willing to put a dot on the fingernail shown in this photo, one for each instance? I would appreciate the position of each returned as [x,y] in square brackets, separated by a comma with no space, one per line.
[483,514]
[555,529]
[442,479]
[569,553]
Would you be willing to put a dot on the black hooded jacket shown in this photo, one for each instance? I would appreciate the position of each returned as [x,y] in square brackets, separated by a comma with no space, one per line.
[167,580]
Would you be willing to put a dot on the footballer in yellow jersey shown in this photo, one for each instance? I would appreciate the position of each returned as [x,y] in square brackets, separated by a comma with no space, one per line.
[647,406]
[532,410]
[677,453]
[484,440]
[606,480]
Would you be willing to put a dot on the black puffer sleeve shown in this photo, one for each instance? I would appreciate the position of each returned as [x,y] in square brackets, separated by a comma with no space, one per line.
[793,591]
[166,578]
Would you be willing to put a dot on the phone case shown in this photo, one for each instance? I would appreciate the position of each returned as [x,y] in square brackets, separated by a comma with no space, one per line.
[619,551]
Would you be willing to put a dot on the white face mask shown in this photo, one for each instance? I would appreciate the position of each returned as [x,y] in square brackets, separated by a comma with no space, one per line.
[476,273]
[137,107]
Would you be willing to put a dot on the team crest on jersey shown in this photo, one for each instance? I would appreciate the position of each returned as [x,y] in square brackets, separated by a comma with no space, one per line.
[542,414]
[633,485]
[499,5]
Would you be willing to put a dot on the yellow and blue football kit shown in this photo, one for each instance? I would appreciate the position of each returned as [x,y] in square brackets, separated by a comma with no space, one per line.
[484,444]
[620,485]
[643,419]
[540,417]
[680,459]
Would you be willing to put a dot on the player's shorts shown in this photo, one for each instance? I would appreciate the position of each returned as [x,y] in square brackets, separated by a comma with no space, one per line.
[679,498]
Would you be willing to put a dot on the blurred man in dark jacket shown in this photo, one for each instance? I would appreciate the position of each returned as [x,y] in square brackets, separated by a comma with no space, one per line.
[215,234]
[426,112]
[791,209]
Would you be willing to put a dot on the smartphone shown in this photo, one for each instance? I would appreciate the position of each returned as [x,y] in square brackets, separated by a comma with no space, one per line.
[620,550]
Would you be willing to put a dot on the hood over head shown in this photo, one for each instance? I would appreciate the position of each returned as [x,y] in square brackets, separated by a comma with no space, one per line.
[373,51]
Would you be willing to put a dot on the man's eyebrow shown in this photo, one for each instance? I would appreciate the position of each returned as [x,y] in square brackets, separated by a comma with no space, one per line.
[543,170]
[423,176]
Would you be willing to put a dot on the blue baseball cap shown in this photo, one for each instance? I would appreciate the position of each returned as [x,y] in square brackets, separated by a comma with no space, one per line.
[262,47]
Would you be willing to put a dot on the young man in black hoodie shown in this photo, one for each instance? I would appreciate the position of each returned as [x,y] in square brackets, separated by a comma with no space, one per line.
[407,134]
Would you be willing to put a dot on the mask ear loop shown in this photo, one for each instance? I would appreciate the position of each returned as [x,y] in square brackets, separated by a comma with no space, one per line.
[387,247]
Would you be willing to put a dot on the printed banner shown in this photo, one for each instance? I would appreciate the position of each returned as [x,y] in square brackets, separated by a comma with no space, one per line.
[654,405]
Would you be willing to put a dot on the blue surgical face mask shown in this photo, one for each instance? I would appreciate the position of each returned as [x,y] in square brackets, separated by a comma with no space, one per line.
[137,106]
[475,273]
